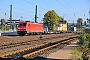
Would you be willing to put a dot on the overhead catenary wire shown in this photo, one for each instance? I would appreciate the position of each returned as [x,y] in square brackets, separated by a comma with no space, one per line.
[37,5]
[26,11]
[16,8]
[51,6]
[34,4]
[14,11]
[19,14]
[69,6]
[71,9]
[64,6]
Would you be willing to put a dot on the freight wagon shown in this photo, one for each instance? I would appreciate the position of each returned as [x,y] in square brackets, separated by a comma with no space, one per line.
[30,28]
[87,28]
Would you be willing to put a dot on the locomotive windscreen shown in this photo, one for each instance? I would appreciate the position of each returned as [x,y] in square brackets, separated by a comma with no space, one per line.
[24,24]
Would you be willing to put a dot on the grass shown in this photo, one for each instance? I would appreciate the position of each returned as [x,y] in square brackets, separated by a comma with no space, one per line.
[76,55]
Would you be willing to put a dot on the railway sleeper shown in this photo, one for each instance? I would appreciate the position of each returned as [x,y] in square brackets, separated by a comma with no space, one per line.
[68,41]
[58,41]
[30,48]
[9,46]
[19,51]
[39,51]
[22,43]
[15,44]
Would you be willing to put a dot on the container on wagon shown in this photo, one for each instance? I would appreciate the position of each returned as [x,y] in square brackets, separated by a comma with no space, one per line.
[73,29]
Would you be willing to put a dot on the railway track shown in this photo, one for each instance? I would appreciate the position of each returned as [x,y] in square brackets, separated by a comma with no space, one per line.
[37,49]
[29,42]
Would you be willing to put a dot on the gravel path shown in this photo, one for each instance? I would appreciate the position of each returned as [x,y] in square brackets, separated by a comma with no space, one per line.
[4,40]
[64,53]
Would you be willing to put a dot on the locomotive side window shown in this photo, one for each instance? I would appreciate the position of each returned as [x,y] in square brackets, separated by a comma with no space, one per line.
[28,24]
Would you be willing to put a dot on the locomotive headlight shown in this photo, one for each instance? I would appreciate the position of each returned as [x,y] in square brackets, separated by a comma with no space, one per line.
[18,28]
[24,28]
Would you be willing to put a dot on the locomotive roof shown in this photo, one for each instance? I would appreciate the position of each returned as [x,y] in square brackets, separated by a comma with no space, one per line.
[30,22]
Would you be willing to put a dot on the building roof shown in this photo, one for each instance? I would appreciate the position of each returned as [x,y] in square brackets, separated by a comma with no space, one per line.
[63,22]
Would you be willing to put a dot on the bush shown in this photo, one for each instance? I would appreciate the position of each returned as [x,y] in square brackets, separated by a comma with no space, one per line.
[3,28]
[84,43]
[83,51]
[84,40]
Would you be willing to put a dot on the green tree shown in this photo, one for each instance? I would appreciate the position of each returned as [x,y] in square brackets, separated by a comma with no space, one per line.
[79,21]
[79,24]
[51,19]
[3,21]
[60,18]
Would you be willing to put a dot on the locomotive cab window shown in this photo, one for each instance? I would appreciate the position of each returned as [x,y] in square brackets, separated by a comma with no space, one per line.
[22,24]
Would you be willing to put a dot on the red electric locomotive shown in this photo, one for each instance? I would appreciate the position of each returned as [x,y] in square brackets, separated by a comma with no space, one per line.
[30,28]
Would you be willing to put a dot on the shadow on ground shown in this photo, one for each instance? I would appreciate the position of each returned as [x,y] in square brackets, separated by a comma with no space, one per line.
[35,58]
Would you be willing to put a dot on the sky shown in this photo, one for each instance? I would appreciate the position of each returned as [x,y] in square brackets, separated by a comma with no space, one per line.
[70,10]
